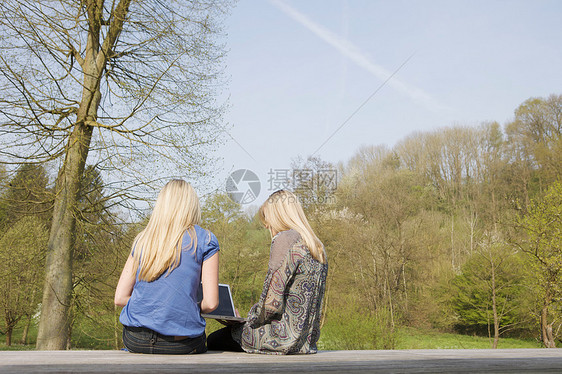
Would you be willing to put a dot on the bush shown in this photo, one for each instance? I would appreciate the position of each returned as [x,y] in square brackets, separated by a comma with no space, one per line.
[358,330]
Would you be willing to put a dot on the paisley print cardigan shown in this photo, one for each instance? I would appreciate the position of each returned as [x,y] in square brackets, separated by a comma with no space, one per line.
[286,320]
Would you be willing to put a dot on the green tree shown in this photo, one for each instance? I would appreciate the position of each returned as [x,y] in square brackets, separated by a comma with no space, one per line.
[22,254]
[130,84]
[539,124]
[388,199]
[488,295]
[96,262]
[27,194]
[543,244]
[534,145]
[244,247]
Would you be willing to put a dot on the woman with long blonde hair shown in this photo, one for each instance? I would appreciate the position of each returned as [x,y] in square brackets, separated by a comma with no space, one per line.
[286,319]
[160,280]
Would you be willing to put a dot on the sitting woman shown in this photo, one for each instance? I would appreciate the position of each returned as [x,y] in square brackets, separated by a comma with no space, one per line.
[286,320]
[159,283]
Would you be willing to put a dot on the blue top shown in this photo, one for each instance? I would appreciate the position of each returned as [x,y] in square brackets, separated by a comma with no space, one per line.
[168,305]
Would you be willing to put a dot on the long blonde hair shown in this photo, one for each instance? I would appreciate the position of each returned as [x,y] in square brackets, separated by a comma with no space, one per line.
[158,247]
[283,211]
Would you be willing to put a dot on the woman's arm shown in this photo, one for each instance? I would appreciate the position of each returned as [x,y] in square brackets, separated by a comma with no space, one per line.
[126,283]
[210,282]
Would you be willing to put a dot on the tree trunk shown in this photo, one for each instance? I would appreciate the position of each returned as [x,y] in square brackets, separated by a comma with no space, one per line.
[546,329]
[452,242]
[8,336]
[115,328]
[495,308]
[494,212]
[390,303]
[69,334]
[29,317]
[54,322]
[25,332]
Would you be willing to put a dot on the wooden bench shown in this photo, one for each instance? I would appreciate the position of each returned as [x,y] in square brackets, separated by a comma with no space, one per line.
[347,362]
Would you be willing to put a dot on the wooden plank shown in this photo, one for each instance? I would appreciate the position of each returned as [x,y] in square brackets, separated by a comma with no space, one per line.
[406,361]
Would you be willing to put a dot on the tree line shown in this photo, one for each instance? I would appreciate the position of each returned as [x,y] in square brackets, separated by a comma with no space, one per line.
[457,229]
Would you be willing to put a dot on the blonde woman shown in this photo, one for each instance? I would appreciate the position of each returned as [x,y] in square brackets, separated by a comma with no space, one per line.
[286,319]
[159,283]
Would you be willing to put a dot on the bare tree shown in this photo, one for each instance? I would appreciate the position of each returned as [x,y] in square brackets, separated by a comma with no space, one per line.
[131,84]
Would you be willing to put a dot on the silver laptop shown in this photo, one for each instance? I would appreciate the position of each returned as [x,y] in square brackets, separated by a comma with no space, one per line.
[225,310]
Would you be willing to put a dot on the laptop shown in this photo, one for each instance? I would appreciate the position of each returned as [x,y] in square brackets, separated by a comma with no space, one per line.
[225,311]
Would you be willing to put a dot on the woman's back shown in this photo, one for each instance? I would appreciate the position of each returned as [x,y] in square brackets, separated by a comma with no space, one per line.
[168,304]
[287,317]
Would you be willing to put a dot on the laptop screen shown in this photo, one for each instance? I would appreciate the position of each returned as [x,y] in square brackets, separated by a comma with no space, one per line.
[226,305]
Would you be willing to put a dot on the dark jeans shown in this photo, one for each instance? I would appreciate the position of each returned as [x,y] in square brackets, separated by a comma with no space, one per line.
[221,340]
[143,340]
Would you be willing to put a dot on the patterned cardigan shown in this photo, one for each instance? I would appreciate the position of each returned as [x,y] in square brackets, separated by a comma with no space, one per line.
[286,320]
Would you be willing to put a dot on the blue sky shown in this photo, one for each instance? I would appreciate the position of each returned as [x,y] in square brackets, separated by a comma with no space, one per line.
[299,69]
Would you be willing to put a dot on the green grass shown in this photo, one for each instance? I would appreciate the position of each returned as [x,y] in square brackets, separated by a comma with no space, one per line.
[411,338]
[16,347]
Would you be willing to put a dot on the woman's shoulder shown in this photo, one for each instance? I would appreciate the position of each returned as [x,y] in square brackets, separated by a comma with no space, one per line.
[204,237]
[287,237]
[282,243]
[207,242]
[203,232]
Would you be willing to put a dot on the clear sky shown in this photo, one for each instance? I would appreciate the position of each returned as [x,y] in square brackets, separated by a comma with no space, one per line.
[299,69]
